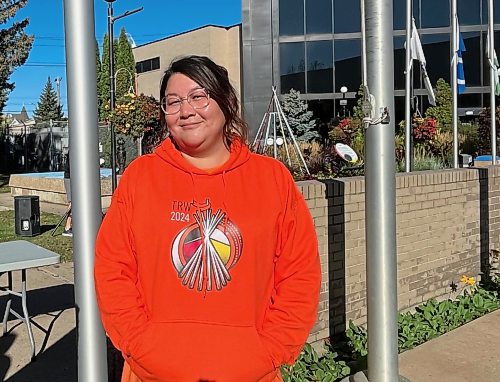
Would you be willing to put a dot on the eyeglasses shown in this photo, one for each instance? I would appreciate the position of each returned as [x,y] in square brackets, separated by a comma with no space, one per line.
[198,99]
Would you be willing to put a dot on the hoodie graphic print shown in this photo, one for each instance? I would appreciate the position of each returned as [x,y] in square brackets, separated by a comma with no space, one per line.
[204,252]
[207,275]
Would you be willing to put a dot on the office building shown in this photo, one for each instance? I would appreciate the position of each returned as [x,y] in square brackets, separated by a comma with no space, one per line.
[314,46]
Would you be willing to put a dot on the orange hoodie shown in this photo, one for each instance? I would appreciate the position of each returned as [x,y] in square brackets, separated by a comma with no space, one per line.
[207,275]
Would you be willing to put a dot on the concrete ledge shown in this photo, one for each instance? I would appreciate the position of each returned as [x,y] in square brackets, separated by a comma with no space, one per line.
[51,190]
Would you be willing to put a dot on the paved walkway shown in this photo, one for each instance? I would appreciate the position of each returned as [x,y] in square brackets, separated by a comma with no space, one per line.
[468,354]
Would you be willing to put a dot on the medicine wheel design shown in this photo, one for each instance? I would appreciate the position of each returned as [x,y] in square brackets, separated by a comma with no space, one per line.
[204,252]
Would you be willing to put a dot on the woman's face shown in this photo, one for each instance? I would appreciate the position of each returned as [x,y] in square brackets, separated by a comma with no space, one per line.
[196,131]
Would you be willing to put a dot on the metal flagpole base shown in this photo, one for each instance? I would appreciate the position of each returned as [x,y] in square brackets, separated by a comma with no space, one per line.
[361,376]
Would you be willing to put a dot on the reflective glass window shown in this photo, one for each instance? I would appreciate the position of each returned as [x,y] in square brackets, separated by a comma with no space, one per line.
[486,100]
[399,13]
[437,54]
[399,62]
[399,111]
[496,11]
[319,67]
[346,16]
[469,100]
[469,12]
[472,59]
[318,16]
[292,66]
[399,66]
[434,13]
[323,112]
[347,56]
[291,17]
[486,65]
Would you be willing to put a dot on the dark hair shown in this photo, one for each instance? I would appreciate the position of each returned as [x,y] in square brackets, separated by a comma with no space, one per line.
[214,78]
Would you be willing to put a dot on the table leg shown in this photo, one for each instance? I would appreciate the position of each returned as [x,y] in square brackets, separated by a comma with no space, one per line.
[9,301]
[26,315]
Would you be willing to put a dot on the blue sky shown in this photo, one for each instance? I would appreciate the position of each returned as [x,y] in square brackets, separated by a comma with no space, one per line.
[158,19]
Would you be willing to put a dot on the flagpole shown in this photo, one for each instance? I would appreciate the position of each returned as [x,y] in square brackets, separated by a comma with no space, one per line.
[493,76]
[363,42]
[408,78]
[380,196]
[454,82]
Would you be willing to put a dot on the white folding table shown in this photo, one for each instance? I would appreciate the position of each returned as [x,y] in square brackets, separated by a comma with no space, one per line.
[21,255]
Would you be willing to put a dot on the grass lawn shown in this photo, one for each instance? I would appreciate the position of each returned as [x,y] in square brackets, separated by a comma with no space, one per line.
[4,183]
[58,243]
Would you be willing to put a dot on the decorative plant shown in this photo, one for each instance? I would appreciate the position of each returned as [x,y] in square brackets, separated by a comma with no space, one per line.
[133,115]
[299,117]
[442,144]
[347,353]
[424,129]
[442,112]
[484,130]
[314,368]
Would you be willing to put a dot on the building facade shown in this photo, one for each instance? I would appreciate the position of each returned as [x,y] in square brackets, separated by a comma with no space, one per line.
[221,44]
[314,46]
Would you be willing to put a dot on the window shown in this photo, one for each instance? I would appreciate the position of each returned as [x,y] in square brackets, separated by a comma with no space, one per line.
[148,65]
[437,54]
[318,16]
[319,67]
[347,55]
[399,12]
[472,59]
[399,67]
[347,16]
[496,11]
[292,67]
[435,13]
[486,66]
[469,12]
[323,112]
[469,100]
[291,17]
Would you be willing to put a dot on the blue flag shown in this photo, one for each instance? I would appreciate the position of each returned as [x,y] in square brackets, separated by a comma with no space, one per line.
[460,65]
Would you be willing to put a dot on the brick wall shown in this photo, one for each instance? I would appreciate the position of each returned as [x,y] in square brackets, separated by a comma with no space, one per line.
[314,195]
[447,222]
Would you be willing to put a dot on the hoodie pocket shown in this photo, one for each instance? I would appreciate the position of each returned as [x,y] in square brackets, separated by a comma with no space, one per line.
[196,352]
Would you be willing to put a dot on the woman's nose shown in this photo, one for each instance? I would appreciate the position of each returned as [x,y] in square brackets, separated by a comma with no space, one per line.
[186,109]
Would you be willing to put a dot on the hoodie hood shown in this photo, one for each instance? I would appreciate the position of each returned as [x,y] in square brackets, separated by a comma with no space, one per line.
[239,154]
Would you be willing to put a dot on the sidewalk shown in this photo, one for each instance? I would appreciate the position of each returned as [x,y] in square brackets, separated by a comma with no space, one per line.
[468,354]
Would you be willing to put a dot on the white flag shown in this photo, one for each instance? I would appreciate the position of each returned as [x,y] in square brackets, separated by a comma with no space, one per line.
[417,53]
[494,64]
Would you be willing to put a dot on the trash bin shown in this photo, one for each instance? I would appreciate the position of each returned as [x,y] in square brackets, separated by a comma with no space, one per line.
[27,215]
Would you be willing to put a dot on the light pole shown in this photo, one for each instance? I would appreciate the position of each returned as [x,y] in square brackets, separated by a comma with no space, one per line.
[111,20]
[343,101]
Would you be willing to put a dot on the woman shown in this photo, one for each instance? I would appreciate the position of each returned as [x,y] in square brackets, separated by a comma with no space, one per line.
[206,263]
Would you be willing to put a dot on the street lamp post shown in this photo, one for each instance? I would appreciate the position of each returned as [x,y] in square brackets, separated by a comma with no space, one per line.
[343,101]
[111,20]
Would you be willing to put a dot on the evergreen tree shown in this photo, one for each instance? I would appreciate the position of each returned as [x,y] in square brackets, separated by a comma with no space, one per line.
[442,112]
[103,80]
[124,66]
[97,62]
[47,107]
[299,117]
[15,45]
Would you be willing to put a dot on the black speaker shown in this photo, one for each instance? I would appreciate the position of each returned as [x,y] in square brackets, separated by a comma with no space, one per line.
[27,215]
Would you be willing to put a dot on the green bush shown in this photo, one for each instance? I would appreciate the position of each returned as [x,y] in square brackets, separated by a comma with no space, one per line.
[348,354]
